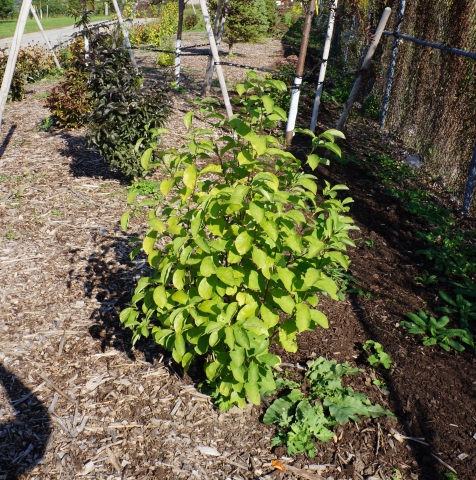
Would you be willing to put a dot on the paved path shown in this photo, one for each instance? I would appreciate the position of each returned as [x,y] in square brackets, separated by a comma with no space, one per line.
[55,36]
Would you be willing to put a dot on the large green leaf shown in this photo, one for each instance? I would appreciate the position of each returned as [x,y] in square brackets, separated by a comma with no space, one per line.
[269,316]
[270,229]
[282,406]
[207,267]
[287,336]
[303,317]
[284,301]
[160,296]
[243,242]
[252,391]
[190,177]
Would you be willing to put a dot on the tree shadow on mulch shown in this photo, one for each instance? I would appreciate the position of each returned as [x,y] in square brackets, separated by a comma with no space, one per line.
[23,440]
[110,278]
[85,161]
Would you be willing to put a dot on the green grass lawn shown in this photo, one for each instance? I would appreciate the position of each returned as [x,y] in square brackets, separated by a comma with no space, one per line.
[7,27]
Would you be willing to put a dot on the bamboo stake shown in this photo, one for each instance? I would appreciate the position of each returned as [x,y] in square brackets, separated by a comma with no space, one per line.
[178,44]
[216,58]
[365,65]
[13,55]
[325,58]
[391,68]
[293,109]
[33,11]
[470,184]
[120,21]
[217,31]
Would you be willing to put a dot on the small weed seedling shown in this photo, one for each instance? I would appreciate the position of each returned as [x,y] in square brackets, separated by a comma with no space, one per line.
[379,384]
[45,124]
[10,234]
[3,178]
[301,420]
[397,474]
[451,476]
[465,308]
[56,212]
[434,331]
[427,279]
[379,357]
[370,243]
[147,188]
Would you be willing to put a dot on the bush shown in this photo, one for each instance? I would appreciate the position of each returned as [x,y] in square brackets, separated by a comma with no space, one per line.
[247,21]
[125,111]
[70,101]
[33,63]
[6,8]
[243,248]
[190,21]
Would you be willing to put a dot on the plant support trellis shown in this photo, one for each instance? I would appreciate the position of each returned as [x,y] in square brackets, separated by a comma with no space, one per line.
[471,182]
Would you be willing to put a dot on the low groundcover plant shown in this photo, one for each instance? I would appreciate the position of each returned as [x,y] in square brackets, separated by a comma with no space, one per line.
[238,247]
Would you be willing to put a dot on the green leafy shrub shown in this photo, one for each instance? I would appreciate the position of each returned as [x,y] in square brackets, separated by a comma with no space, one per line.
[126,110]
[70,102]
[302,419]
[247,22]
[434,331]
[378,357]
[238,249]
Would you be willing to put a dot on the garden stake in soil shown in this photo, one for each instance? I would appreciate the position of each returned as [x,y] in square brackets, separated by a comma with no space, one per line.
[365,65]
[13,55]
[207,82]
[216,58]
[391,68]
[126,35]
[322,73]
[293,109]
[178,43]
[48,44]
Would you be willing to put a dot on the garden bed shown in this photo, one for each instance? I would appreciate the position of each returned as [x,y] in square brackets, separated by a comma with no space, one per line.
[80,398]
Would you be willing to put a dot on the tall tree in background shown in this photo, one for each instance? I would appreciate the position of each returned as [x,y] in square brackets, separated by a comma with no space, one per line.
[272,14]
[6,8]
[247,21]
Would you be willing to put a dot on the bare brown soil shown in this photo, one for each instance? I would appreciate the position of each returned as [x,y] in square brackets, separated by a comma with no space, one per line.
[79,401]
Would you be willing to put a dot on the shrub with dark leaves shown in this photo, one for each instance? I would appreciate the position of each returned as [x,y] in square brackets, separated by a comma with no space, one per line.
[126,107]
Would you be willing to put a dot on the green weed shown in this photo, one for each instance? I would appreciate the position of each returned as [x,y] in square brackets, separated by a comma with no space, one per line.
[378,357]
[434,332]
[301,419]
[45,124]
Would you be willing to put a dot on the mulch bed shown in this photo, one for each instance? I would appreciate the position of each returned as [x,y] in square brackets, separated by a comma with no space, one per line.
[78,400]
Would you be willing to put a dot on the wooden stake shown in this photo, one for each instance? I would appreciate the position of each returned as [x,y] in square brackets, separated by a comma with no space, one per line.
[325,58]
[13,55]
[33,11]
[365,65]
[293,109]
[216,58]
[218,32]
[391,68]
[127,42]
[178,44]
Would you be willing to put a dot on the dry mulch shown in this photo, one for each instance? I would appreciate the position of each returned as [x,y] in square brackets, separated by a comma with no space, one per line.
[79,401]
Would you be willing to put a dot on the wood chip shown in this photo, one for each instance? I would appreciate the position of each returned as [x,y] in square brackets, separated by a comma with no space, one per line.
[209,451]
